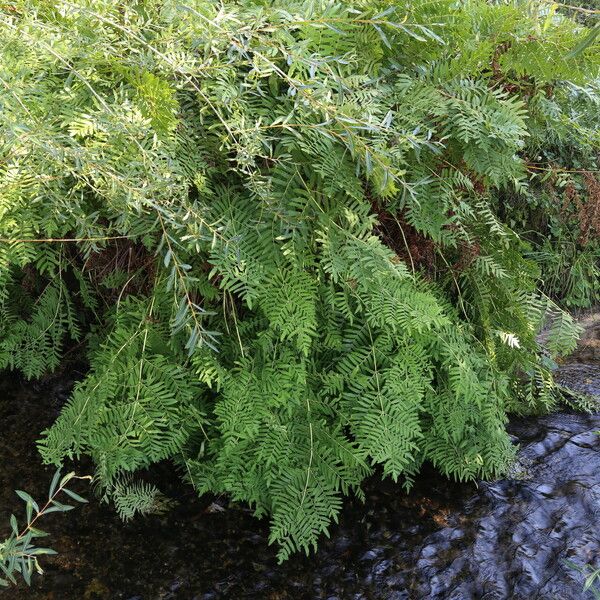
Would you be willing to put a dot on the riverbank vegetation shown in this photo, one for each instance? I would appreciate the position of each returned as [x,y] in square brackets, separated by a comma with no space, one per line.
[298,242]
[19,553]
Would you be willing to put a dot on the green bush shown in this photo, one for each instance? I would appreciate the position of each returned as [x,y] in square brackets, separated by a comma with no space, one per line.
[278,230]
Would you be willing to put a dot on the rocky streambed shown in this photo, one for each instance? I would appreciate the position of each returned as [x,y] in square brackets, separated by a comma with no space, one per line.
[511,539]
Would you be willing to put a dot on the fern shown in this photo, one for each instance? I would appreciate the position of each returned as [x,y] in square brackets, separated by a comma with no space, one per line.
[133,498]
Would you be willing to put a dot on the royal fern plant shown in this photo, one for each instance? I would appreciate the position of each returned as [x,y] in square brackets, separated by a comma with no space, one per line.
[277,231]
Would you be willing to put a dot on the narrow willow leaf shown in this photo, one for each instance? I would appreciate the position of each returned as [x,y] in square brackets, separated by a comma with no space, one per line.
[52,509]
[37,533]
[54,484]
[14,525]
[26,570]
[61,507]
[585,43]
[67,478]
[39,551]
[75,496]
[27,498]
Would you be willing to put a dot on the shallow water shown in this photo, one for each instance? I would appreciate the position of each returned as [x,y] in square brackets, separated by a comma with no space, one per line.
[502,540]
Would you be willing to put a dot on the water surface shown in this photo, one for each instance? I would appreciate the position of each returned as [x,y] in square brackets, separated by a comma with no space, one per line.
[507,539]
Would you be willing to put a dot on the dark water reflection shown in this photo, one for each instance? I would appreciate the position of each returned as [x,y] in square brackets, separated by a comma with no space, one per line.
[502,540]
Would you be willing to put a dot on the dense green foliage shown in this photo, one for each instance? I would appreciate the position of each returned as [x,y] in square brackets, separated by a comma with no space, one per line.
[292,236]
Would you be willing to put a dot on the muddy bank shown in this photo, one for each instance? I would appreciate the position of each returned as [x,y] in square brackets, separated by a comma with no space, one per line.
[502,540]
[589,345]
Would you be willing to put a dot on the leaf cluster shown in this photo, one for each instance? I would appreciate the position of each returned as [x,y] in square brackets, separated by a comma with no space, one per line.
[19,552]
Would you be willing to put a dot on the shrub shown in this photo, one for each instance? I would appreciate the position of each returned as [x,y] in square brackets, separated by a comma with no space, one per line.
[276,229]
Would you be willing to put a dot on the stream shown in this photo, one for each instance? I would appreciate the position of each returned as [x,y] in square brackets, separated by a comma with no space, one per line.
[508,539]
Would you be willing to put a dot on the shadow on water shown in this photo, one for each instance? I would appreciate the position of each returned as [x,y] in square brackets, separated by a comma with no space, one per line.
[502,540]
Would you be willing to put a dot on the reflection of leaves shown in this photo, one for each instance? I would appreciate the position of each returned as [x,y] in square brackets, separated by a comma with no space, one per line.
[585,43]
